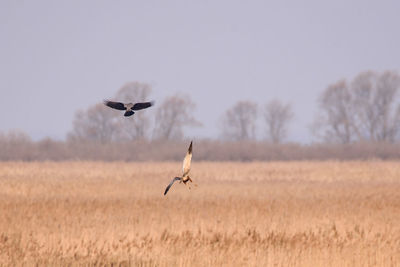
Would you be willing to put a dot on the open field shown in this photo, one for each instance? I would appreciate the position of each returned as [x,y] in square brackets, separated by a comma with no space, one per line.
[241,214]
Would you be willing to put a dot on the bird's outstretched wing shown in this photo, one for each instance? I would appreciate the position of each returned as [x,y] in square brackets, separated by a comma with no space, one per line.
[115,105]
[171,183]
[139,106]
[187,160]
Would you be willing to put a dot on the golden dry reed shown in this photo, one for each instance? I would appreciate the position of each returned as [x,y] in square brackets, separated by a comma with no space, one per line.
[241,214]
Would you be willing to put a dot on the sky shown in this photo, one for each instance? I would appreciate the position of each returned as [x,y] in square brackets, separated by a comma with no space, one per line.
[57,57]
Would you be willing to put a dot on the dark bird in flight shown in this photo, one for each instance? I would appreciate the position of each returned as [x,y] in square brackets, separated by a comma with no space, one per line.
[185,170]
[129,107]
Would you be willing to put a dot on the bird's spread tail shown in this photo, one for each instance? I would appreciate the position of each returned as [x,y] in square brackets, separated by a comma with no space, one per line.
[129,113]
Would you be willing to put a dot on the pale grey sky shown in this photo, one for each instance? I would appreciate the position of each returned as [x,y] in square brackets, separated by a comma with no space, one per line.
[60,56]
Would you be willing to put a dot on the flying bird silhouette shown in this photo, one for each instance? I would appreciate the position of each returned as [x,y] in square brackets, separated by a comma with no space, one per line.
[129,107]
[185,170]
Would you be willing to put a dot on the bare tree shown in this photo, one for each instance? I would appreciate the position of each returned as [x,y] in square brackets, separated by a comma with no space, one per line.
[101,124]
[367,110]
[239,122]
[136,127]
[16,145]
[172,115]
[375,103]
[335,119]
[97,124]
[277,117]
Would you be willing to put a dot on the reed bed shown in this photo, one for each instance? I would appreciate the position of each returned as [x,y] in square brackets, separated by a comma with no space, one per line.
[241,214]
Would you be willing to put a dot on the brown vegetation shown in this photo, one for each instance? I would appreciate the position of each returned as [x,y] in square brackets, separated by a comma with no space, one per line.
[241,214]
[19,147]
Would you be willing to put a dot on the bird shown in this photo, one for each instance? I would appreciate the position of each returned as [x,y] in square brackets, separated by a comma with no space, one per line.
[185,170]
[129,107]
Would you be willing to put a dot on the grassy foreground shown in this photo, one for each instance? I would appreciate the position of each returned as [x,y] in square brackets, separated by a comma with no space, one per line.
[241,214]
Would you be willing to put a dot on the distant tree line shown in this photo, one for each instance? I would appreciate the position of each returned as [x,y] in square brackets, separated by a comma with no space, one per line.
[104,125]
[359,119]
[365,109]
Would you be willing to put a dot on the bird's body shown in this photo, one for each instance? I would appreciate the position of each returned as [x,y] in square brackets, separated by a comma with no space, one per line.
[185,170]
[128,107]
[186,161]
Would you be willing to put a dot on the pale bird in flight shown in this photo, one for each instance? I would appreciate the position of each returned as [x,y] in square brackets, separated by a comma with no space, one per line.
[185,170]
[129,107]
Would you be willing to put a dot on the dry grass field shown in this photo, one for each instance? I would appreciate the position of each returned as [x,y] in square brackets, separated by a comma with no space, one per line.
[241,214]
